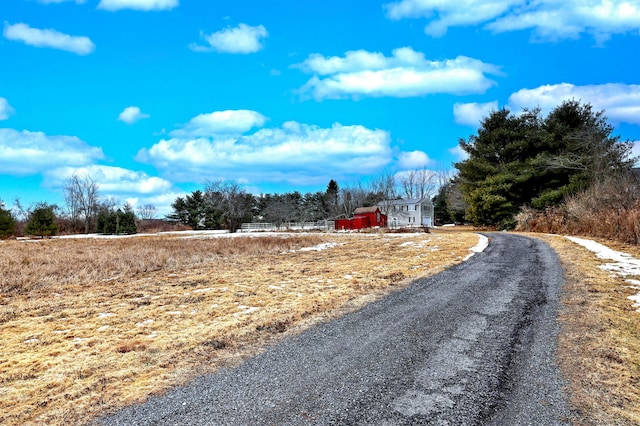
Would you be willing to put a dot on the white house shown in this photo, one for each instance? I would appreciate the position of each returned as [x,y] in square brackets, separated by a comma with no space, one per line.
[408,213]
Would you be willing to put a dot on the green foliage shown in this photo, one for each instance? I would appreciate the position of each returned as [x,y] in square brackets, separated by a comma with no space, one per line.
[117,222]
[7,223]
[449,205]
[518,160]
[196,211]
[42,221]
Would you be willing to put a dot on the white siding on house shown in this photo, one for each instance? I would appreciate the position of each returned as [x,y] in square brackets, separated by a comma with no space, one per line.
[408,213]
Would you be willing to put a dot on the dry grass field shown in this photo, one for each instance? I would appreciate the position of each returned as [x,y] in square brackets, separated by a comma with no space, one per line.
[90,325]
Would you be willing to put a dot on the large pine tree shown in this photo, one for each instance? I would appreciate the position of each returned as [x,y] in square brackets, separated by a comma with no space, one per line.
[525,159]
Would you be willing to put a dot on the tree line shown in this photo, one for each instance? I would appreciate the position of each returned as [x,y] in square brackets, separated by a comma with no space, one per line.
[514,162]
[225,205]
[86,211]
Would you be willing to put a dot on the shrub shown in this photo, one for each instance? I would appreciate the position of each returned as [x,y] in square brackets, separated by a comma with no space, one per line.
[7,224]
[42,221]
[609,209]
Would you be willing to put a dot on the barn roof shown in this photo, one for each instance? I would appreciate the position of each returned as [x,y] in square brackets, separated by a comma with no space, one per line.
[361,210]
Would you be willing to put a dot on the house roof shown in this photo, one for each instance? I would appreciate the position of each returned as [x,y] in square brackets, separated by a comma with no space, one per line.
[371,209]
[406,201]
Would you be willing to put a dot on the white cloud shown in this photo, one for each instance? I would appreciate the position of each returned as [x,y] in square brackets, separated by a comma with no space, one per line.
[445,14]
[61,1]
[48,38]
[242,39]
[229,122]
[459,153]
[5,109]
[406,73]
[413,160]
[132,114]
[143,5]
[28,153]
[295,153]
[621,102]
[471,114]
[111,180]
[549,19]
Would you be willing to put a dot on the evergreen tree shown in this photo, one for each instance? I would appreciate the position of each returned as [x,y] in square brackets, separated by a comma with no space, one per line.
[517,160]
[42,221]
[331,206]
[7,223]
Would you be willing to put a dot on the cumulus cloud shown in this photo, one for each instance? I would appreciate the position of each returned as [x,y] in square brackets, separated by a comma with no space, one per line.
[61,1]
[458,153]
[229,122]
[295,153]
[143,5]
[112,180]
[48,38]
[242,39]
[471,114]
[132,114]
[549,19]
[413,160]
[621,102]
[5,109]
[28,153]
[406,73]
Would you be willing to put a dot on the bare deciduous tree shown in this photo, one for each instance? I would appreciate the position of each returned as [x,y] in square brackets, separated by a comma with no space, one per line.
[234,203]
[147,212]
[82,196]
[418,183]
[384,186]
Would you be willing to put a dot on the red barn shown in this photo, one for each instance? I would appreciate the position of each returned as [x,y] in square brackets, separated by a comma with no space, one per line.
[364,217]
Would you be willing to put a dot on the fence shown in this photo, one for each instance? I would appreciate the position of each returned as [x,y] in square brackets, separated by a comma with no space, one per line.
[322,225]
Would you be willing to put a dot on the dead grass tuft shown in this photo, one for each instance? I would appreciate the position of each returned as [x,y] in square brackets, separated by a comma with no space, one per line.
[89,326]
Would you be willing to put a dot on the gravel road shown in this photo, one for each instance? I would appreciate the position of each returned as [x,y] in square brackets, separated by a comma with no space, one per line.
[473,345]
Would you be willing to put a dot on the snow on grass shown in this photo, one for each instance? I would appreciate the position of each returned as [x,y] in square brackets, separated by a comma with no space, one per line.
[623,264]
[419,245]
[319,247]
[483,243]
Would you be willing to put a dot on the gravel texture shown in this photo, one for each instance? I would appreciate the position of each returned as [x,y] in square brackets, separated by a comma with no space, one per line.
[475,344]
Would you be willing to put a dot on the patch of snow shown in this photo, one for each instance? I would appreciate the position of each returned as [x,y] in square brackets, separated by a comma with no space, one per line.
[202,290]
[319,247]
[419,245]
[483,243]
[623,264]
[33,340]
[62,331]
[144,323]
[246,310]
[173,312]
[152,335]
[103,328]
[106,315]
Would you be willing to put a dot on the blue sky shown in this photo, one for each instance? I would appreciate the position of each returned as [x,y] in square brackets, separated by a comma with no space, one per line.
[151,98]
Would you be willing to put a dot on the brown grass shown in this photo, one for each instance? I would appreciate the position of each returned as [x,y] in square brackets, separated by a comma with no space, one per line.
[608,209]
[599,346]
[89,326]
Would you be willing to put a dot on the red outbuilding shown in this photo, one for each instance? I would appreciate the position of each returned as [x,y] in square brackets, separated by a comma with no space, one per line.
[363,217]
